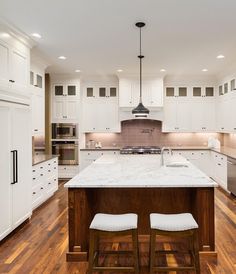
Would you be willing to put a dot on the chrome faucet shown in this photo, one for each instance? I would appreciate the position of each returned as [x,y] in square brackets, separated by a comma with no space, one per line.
[162,154]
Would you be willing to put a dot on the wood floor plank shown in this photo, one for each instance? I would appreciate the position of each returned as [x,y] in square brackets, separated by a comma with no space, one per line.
[40,245]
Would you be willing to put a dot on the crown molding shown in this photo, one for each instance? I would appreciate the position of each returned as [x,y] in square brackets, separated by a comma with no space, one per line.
[17,33]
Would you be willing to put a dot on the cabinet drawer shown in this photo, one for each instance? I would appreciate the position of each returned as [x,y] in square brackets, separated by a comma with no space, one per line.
[37,195]
[52,185]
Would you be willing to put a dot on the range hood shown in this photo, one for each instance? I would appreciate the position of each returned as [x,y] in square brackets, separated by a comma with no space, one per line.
[156,114]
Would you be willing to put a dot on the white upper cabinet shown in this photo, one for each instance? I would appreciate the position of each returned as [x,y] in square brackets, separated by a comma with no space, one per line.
[129,92]
[65,90]
[100,117]
[4,65]
[37,87]
[189,109]
[65,103]
[14,68]
[176,116]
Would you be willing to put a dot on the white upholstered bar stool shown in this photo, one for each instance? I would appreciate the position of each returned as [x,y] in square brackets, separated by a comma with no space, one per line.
[174,225]
[110,225]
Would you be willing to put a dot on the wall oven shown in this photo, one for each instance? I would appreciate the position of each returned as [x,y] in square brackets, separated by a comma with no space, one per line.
[64,131]
[68,152]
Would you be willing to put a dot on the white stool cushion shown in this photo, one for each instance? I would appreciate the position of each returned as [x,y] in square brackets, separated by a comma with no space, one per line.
[172,222]
[115,223]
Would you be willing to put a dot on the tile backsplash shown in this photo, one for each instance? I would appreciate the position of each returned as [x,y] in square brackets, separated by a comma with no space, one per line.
[148,133]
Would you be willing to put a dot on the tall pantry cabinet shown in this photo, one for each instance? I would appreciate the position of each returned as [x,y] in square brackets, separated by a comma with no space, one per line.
[15,137]
[15,162]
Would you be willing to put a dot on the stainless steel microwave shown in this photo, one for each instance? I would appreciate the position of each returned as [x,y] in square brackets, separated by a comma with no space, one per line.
[64,131]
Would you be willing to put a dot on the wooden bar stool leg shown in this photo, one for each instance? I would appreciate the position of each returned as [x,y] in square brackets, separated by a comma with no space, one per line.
[152,251]
[91,251]
[135,250]
[196,251]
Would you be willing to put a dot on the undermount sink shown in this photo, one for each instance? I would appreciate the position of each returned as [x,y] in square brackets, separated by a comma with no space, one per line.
[176,165]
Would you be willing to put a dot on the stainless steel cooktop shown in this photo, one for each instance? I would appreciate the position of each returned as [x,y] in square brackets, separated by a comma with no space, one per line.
[140,150]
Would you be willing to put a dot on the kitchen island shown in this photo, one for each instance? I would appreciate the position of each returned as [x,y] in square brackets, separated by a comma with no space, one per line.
[119,184]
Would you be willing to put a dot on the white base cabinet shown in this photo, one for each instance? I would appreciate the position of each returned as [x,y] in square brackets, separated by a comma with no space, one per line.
[213,164]
[67,171]
[87,157]
[44,181]
[15,166]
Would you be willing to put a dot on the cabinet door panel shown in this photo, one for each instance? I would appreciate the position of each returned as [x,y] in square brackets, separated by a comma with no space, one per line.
[183,114]
[5,172]
[58,110]
[4,66]
[72,109]
[19,70]
[125,94]
[21,190]
[170,122]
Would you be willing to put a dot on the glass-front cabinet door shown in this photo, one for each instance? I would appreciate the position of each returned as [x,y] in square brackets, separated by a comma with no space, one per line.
[69,90]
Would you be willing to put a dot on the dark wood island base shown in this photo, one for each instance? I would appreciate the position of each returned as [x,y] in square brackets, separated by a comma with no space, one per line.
[84,203]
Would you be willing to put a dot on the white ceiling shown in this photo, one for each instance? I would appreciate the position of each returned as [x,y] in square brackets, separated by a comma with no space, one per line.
[99,36]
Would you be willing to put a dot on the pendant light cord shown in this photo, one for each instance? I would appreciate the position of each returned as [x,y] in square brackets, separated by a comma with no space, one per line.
[140,65]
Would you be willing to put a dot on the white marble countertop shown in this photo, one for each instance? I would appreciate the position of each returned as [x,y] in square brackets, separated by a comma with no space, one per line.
[137,171]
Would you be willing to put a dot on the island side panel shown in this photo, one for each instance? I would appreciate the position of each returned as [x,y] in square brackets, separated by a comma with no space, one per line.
[79,218]
[204,213]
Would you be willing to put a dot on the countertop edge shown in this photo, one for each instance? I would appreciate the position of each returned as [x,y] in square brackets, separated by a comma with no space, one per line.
[40,161]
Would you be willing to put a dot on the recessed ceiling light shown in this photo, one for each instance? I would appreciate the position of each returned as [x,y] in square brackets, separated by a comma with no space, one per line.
[36,35]
[77,70]
[119,70]
[5,35]
[220,56]
[62,57]
[162,70]
[205,70]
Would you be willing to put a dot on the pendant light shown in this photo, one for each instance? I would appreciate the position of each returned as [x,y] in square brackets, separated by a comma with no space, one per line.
[140,111]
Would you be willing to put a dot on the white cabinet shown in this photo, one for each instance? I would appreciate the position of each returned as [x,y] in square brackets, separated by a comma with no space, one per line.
[177,115]
[15,160]
[4,65]
[66,171]
[44,181]
[225,114]
[98,90]
[38,113]
[129,92]
[87,157]
[200,158]
[219,169]
[65,110]
[189,109]
[213,164]
[100,116]
[65,90]
[203,115]
[37,88]
[65,103]
[14,68]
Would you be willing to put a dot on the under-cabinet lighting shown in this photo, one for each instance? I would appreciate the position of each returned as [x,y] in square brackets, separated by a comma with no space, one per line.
[220,56]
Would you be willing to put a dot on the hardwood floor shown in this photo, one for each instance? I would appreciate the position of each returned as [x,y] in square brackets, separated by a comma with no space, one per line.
[39,246]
